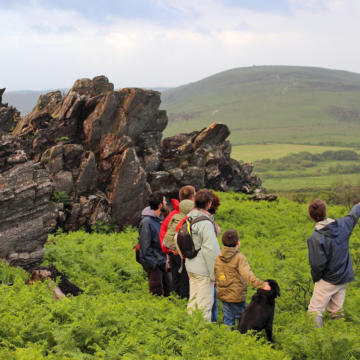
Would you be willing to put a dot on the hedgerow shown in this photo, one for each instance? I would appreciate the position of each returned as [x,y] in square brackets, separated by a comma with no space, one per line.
[116,317]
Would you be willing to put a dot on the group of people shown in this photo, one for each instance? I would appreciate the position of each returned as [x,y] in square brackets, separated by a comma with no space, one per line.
[224,274]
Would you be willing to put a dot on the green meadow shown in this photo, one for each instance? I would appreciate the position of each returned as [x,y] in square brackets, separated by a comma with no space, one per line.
[308,184]
[289,168]
[251,153]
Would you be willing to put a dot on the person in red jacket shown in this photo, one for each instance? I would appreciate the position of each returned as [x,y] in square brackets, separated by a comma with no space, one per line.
[180,280]
[164,226]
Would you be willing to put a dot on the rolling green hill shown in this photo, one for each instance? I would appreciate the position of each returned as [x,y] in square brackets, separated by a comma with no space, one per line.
[271,104]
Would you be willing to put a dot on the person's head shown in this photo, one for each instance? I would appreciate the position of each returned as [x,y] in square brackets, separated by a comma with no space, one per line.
[230,238]
[203,199]
[157,200]
[317,210]
[187,193]
[215,203]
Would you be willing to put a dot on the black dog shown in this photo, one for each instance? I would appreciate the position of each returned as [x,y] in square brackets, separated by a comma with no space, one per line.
[51,272]
[259,314]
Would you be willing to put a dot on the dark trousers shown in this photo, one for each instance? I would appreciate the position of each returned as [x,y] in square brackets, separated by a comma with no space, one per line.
[214,310]
[180,280]
[160,282]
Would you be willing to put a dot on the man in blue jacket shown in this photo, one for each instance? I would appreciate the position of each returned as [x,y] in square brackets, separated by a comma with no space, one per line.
[330,261]
[151,256]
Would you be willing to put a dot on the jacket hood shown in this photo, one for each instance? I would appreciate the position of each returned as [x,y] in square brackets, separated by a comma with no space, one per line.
[227,253]
[186,206]
[175,204]
[331,230]
[149,212]
[321,224]
[197,213]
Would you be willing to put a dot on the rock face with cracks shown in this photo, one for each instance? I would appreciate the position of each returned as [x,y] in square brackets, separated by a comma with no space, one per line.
[94,156]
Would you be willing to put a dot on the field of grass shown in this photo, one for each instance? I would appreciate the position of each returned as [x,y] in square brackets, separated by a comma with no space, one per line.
[278,104]
[251,153]
[289,168]
[308,183]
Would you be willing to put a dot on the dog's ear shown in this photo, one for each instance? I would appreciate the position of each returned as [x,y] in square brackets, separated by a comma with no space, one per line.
[275,289]
[274,285]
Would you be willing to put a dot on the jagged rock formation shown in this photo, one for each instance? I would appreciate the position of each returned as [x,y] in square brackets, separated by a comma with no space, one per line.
[202,158]
[8,116]
[266,197]
[98,153]
[26,214]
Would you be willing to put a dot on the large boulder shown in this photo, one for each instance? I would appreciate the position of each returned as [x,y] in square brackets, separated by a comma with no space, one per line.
[26,214]
[204,160]
[128,189]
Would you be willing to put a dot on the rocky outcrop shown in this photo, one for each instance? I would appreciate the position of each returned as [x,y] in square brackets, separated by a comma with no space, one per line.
[202,159]
[8,116]
[266,197]
[95,155]
[26,214]
[97,140]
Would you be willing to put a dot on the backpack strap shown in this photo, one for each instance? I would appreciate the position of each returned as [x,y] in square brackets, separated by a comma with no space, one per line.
[198,219]
[180,254]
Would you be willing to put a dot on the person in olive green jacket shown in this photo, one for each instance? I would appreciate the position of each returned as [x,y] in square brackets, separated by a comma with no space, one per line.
[232,273]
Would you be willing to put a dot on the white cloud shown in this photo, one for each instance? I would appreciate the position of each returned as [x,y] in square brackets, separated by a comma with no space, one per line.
[209,38]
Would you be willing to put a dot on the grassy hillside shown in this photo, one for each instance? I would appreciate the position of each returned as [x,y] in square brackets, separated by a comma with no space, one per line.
[116,317]
[278,104]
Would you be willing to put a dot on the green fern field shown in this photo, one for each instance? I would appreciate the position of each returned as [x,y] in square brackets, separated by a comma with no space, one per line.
[116,317]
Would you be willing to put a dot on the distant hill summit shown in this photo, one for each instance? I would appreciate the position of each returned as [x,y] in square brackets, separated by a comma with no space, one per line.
[280,104]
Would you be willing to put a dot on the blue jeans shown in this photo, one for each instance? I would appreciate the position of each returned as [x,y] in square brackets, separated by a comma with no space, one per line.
[232,312]
[214,310]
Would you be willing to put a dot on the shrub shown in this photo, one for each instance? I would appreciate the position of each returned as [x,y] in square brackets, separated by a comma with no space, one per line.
[62,138]
[60,197]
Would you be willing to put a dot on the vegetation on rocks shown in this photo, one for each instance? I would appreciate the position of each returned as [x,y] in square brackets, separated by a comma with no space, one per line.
[116,317]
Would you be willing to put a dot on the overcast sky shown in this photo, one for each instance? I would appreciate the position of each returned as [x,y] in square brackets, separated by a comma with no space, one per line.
[47,44]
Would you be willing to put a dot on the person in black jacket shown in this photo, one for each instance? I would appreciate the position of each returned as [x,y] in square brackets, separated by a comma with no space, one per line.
[151,256]
[330,261]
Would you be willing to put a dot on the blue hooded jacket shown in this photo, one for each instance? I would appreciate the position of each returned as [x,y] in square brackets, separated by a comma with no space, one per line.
[329,255]
[151,254]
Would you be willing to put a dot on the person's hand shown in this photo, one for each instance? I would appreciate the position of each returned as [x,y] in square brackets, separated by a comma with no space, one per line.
[267,287]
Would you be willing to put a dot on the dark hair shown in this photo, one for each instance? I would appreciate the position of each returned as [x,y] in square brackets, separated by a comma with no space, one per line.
[214,204]
[202,197]
[317,210]
[186,192]
[155,199]
[230,238]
